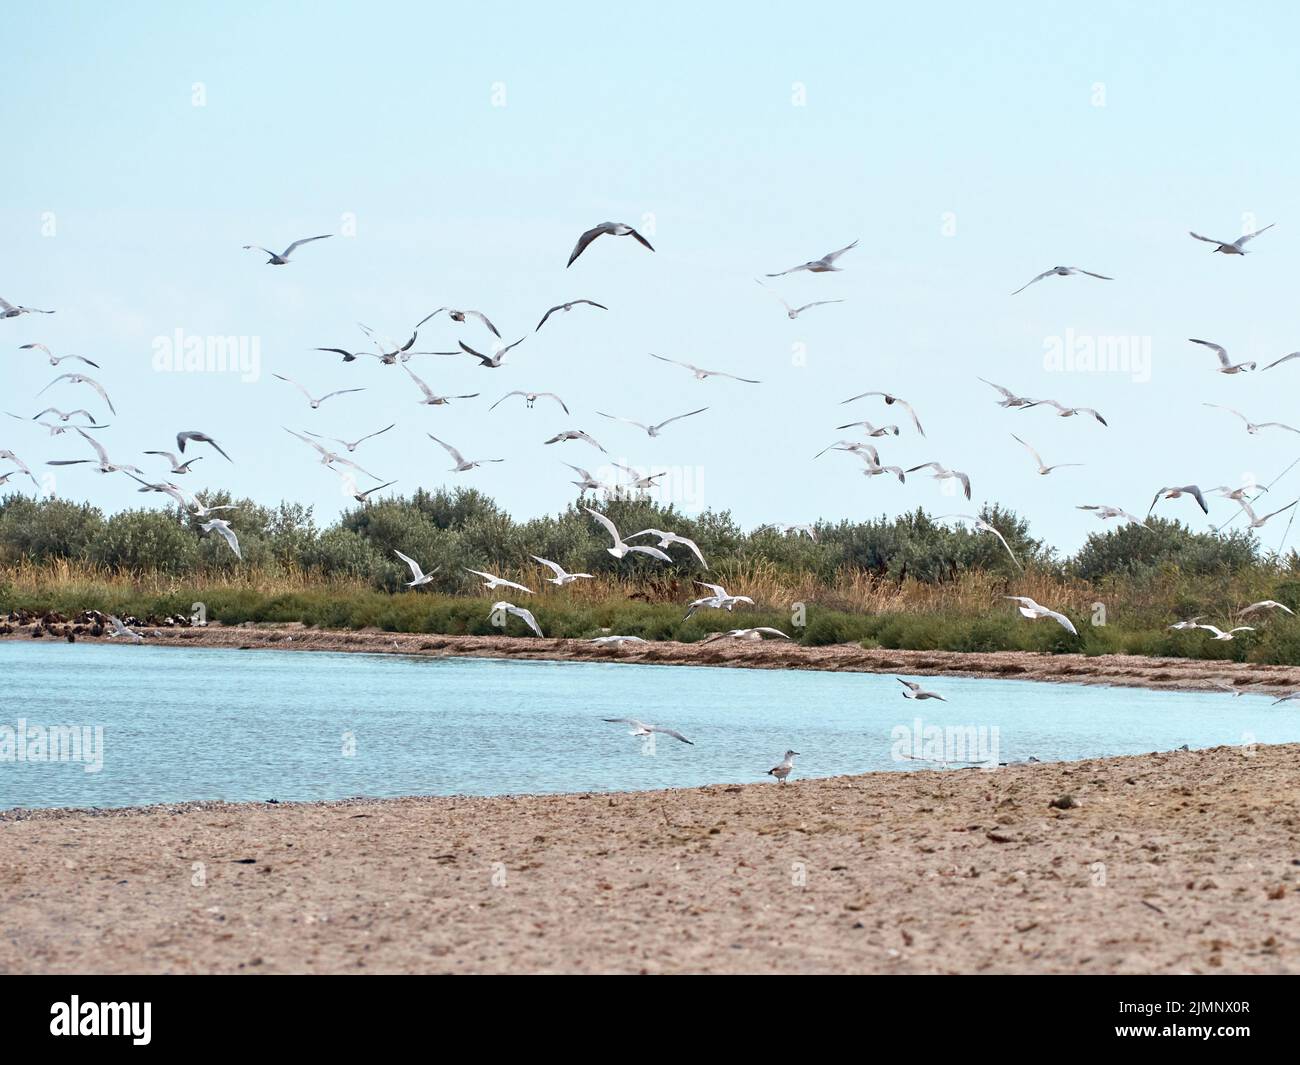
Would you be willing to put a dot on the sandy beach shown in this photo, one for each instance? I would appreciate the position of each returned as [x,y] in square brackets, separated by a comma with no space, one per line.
[1183,862]
[1175,674]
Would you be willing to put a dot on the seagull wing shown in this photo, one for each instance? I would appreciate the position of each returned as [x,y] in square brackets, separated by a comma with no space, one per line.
[416,572]
[298,243]
[457,457]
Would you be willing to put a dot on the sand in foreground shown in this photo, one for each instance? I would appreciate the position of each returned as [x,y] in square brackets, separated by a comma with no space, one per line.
[1179,862]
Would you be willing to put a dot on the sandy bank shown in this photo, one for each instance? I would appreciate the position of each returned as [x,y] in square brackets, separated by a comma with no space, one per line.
[1179,862]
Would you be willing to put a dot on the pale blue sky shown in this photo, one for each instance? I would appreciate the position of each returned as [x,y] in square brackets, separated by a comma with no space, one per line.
[385,111]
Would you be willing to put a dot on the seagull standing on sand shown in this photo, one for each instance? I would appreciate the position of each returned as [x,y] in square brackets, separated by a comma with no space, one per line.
[613,229]
[890,400]
[282,258]
[1060,271]
[562,576]
[566,307]
[783,770]
[462,464]
[225,532]
[640,728]
[915,691]
[826,264]
[1226,365]
[620,548]
[312,400]
[1236,247]
[1034,611]
[492,582]
[526,616]
[418,576]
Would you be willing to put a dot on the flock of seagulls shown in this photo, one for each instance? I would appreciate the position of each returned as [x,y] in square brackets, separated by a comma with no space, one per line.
[663,542]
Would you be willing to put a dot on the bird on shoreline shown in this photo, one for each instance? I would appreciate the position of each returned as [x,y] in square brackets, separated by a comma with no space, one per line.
[640,728]
[1060,271]
[824,265]
[120,628]
[785,767]
[613,229]
[1236,247]
[282,258]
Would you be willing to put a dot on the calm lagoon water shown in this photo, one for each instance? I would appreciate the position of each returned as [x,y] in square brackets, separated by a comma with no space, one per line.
[182,724]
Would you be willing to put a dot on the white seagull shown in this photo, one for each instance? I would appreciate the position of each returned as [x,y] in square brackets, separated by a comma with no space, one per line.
[105,465]
[613,229]
[1266,604]
[1258,522]
[13,310]
[825,264]
[1063,411]
[794,312]
[82,379]
[121,629]
[1034,611]
[312,400]
[666,539]
[431,400]
[1177,493]
[282,258]
[704,375]
[984,526]
[1105,513]
[562,576]
[493,361]
[177,466]
[566,307]
[1236,247]
[871,430]
[942,473]
[524,615]
[8,456]
[914,691]
[56,359]
[1060,271]
[492,582]
[462,463]
[640,728]
[783,770]
[1009,398]
[890,400]
[574,434]
[225,532]
[1219,634]
[1225,364]
[530,398]
[459,316]
[588,482]
[1043,470]
[620,548]
[651,430]
[189,435]
[418,576]
[351,445]
[754,635]
[1253,427]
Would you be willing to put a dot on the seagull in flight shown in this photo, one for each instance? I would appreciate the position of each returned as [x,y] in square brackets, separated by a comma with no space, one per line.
[120,628]
[620,548]
[826,264]
[185,437]
[493,582]
[8,456]
[1258,522]
[851,445]
[1253,427]
[1225,364]
[667,539]
[56,359]
[566,307]
[524,615]
[942,473]
[872,468]
[1219,634]
[890,400]
[1043,470]
[652,430]
[530,398]
[1063,411]
[1105,513]
[459,316]
[13,310]
[562,576]
[327,457]
[56,429]
[418,576]
[67,415]
[492,361]
[618,639]
[871,430]
[641,482]
[225,532]
[574,434]
[282,258]
[1284,358]
[640,728]
[462,464]
[82,379]
[588,482]
[793,312]
[312,400]
[1009,398]
[783,770]
[1060,271]
[1177,493]
[799,528]
[704,375]
[361,497]
[105,464]
[351,445]
[177,466]
[718,599]
[613,229]
[914,691]
[984,526]
[1034,611]
[431,400]
[754,635]
[1266,604]
[1236,247]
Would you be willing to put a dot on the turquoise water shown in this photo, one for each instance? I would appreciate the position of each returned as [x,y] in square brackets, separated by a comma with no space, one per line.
[182,724]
